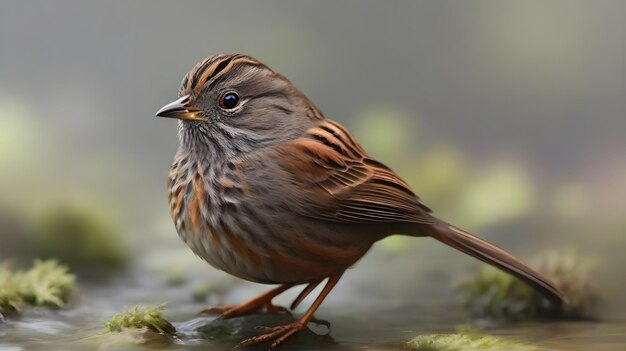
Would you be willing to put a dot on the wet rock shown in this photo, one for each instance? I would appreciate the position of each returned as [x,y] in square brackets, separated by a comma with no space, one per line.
[240,328]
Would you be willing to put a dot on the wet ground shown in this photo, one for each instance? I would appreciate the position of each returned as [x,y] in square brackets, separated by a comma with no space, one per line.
[368,310]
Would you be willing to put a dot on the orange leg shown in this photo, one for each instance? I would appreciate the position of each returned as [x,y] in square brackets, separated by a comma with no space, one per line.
[252,305]
[305,293]
[281,333]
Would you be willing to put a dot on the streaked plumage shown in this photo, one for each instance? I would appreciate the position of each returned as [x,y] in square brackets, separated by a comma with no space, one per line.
[273,192]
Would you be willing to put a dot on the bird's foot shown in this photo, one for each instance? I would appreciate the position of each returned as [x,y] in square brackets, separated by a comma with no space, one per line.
[278,334]
[250,306]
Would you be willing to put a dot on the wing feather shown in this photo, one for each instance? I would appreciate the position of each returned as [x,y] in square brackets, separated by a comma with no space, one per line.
[357,188]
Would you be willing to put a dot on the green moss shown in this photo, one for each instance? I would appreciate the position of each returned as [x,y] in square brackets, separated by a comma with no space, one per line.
[141,317]
[465,342]
[47,283]
[11,298]
[491,293]
[95,239]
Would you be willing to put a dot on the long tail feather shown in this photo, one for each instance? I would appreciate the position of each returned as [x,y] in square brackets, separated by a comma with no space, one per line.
[489,253]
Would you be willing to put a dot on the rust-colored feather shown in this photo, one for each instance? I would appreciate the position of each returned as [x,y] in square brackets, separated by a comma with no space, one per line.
[214,67]
[197,201]
[359,188]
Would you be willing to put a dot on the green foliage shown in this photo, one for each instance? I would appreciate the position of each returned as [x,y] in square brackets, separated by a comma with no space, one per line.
[465,342]
[140,317]
[491,293]
[78,236]
[47,283]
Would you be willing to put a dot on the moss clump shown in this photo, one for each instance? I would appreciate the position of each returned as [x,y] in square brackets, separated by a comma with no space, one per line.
[47,283]
[95,239]
[11,298]
[465,342]
[491,293]
[141,317]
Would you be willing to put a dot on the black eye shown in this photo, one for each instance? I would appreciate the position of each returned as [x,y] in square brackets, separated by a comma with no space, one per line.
[229,100]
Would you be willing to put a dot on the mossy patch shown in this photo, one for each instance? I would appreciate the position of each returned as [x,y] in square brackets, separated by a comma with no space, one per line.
[47,283]
[491,293]
[465,342]
[11,298]
[141,317]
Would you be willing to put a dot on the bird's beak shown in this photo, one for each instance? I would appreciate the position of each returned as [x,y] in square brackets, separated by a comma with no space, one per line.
[181,109]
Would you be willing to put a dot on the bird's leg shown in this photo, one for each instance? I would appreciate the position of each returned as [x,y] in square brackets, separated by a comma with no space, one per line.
[305,293]
[281,333]
[252,305]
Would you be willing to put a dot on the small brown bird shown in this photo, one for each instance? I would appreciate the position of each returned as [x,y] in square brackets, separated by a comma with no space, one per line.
[266,188]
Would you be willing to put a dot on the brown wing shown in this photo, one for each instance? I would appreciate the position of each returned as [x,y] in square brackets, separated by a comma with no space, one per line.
[354,187]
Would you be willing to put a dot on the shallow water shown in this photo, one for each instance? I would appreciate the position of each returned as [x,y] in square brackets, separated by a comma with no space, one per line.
[50,331]
[369,309]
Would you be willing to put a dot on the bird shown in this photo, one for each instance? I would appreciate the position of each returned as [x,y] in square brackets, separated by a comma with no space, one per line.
[265,187]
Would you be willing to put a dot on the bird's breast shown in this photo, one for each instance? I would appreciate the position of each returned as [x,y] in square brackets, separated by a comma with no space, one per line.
[232,227]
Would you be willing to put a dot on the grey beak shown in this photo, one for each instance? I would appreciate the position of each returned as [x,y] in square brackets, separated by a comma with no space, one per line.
[181,109]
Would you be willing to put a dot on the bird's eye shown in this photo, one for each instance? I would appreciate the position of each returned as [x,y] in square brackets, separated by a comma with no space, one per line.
[229,100]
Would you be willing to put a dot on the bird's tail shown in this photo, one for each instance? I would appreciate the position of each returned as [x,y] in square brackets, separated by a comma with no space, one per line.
[489,253]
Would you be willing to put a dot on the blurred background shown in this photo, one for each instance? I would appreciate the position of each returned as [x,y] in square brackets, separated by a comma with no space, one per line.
[506,117]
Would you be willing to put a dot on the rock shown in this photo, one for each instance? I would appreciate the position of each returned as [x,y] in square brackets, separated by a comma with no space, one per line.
[240,328]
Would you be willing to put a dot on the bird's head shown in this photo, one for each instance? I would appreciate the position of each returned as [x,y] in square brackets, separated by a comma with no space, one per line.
[239,102]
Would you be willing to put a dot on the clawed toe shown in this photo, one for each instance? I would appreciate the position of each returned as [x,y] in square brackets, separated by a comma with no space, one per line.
[278,334]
